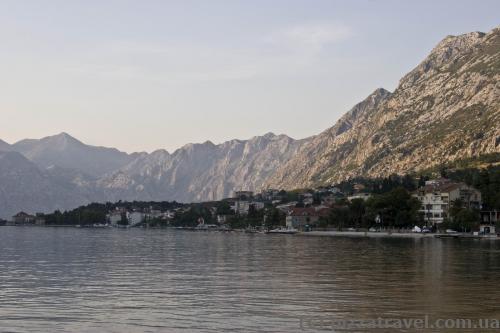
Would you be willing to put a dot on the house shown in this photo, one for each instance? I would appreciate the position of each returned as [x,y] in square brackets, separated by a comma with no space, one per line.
[438,195]
[490,216]
[115,217]
[361,195]
[270,195]
[135,218]
[299,217]
[223,218]
[242,207]
[168,215]
[153,213]
[487,229]
[23,218]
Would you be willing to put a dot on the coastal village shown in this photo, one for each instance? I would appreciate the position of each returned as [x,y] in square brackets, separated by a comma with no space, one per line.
[436,205]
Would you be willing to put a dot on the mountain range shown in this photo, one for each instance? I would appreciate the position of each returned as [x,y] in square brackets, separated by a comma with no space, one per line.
[445,109]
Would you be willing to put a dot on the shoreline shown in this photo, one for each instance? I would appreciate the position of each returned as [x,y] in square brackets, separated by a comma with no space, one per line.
[385,234]
[332,233]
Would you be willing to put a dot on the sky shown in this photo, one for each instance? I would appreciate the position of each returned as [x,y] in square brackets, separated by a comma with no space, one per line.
[145,75]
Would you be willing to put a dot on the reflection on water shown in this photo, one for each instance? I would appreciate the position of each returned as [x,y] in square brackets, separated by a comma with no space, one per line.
[84,280]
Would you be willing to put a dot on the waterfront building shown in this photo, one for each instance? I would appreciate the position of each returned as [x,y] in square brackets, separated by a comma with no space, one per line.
[115,217]
[135,218]
[242,207]
[23,218]
[487,229]
[438,195]
[490,216]
[300,217]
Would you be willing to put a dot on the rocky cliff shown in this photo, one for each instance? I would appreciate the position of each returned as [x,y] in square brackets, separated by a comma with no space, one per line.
[447,108]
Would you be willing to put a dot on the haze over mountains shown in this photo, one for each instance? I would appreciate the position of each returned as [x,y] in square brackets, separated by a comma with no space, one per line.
[445,109]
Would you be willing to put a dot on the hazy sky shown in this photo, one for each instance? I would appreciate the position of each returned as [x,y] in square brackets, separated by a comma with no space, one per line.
[141,75]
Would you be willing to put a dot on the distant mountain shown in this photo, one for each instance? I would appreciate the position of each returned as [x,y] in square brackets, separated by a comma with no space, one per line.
[205,171]
[23,186]
[4,146]
[445,109]
[65,151]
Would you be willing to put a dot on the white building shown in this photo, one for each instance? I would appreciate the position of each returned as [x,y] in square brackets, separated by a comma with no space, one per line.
[438,195]
[364,196]
[242,207]
[114,217]
[135,218]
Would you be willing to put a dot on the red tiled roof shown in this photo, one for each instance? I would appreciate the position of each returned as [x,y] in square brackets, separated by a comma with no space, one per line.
[23,214]
[441,187]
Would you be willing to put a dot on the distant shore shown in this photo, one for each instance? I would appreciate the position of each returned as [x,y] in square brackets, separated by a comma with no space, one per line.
[385,234]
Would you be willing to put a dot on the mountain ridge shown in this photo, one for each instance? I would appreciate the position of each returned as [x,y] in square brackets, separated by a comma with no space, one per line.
[454,91]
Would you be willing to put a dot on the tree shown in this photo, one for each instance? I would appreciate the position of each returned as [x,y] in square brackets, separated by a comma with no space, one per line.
[396,208]
[223,208]
[356,212]
[462,218]
[123,220]
[339,217]
[274,217]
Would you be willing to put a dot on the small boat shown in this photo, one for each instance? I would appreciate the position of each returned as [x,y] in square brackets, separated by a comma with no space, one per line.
[281,230]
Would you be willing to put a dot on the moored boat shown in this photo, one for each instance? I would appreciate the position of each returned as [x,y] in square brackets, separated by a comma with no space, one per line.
[281,230]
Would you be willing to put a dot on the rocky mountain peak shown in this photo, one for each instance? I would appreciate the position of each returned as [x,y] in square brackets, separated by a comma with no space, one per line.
[379,94]
[269,135]
[369,103]
[443,56]
[62,141]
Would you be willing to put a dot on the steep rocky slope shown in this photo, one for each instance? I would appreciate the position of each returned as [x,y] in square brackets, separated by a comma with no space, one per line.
[447,108]
[202,171]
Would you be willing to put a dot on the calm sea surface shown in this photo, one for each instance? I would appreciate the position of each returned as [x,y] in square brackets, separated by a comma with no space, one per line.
[90,280]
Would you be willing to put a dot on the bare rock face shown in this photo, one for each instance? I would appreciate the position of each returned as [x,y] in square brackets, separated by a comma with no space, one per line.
[445,109]
[199,172]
